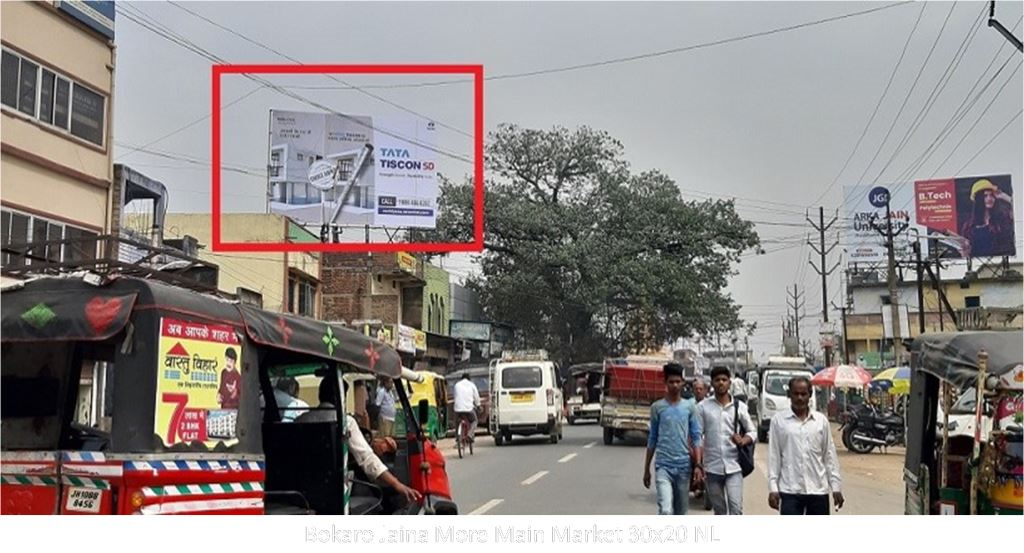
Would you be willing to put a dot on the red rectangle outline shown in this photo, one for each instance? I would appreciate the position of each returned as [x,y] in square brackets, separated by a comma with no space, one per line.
[425,247]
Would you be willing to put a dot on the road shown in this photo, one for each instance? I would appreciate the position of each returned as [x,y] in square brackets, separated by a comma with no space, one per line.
[580,475]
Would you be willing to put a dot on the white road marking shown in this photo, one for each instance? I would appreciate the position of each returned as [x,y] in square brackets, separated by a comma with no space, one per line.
[590,445]
[763,467]
[534,478]
[487,506]
[567,458]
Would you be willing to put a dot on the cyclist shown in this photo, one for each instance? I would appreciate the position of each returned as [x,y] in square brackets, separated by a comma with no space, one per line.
[467,401]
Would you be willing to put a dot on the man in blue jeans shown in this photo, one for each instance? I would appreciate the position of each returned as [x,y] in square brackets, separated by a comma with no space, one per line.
[725,425]
[674,429]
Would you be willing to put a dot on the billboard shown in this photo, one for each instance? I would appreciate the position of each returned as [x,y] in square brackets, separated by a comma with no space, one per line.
[967,216]
[864,206]
[337,169]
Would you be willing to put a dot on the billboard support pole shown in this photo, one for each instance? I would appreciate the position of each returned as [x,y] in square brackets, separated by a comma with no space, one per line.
[920,288]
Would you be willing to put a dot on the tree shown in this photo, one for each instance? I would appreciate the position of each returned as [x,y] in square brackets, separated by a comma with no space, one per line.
[587,259]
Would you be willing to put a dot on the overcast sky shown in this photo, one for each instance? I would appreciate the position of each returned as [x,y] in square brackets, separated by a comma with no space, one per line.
[769,120]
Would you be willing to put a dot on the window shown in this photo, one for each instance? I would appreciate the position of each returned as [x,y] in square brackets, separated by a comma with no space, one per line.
[60,105]
[27,87]
[10,79]
[301,296]
[87,114]
[972,301]
[46,97]
[43,94]
[18,229]
[522,377]
[83,247]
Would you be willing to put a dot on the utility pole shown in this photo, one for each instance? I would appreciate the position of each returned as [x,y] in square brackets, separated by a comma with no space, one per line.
[795,301]
[1002,30]
[888,233]
[822,251]
[846,351]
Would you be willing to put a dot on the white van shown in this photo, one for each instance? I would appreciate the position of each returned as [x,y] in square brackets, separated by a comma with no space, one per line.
[526,398]
[773,389]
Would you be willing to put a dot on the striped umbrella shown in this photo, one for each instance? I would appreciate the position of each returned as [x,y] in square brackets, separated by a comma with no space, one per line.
[842,376]
[895,380]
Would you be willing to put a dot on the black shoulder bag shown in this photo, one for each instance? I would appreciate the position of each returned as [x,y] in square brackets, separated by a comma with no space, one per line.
[745,453]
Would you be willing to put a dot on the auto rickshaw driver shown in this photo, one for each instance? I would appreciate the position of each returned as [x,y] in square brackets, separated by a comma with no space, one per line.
[364,455]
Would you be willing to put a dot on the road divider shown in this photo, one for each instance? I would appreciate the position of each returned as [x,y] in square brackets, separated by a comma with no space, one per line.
[534,478]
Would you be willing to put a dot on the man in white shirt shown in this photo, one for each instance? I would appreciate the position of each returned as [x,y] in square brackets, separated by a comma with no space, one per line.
[286,392]
[467,401]
[722,435]
[802,462]
[361,451]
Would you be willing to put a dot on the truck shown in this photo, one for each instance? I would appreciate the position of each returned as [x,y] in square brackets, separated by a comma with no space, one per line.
[628,388]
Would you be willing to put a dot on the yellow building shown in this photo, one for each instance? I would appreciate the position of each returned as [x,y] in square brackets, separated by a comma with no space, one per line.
[989,299]
[287,282]
[57,86]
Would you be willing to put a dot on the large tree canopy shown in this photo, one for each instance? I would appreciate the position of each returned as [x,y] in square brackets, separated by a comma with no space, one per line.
[588,259]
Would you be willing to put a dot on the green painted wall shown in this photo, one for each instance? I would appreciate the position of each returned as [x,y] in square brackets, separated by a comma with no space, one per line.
[437,300]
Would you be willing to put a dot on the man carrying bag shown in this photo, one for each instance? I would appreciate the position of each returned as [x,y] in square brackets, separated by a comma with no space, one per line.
[729,438]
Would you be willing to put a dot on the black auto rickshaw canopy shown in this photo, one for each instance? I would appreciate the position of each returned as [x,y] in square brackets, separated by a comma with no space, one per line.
[953,358]
[52,327]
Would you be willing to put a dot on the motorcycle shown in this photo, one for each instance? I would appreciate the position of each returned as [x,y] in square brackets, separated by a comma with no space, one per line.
[864,428]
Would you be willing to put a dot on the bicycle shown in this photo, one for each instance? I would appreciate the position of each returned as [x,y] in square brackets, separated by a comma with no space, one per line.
[462,435]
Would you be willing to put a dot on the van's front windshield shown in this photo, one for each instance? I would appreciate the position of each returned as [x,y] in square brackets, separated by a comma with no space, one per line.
[777,385]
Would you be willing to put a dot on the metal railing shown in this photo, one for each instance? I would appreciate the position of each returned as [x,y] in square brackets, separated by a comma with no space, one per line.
[160,263]
[988,318]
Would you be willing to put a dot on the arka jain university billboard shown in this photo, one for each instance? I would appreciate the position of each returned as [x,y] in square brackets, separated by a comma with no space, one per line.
[967,216]
[865,207]
[339,169]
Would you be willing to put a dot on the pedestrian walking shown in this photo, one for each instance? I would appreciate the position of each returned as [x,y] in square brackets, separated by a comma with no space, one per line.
[802,462]
[674,434]
[726,425]
[385,401]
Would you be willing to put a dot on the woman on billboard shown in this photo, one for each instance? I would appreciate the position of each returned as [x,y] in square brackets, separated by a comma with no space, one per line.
[989,228]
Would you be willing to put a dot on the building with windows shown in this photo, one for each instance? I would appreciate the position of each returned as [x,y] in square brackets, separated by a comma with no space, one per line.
[56,96]
[987,299]
[279,281]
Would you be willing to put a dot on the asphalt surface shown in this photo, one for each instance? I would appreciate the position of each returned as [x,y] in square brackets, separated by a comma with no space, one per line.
[580,475]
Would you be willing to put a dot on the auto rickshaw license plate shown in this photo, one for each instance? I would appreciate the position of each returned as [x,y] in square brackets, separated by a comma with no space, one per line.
[526,397]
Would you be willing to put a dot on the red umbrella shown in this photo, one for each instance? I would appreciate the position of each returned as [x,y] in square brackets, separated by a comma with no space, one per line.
[842,376]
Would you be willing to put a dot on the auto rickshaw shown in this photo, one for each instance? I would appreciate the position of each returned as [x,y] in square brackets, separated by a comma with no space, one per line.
[430,387]
[124,395]
[960,474]
[582,390]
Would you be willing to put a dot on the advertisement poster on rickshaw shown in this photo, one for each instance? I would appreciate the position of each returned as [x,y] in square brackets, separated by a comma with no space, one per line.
[200,384]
